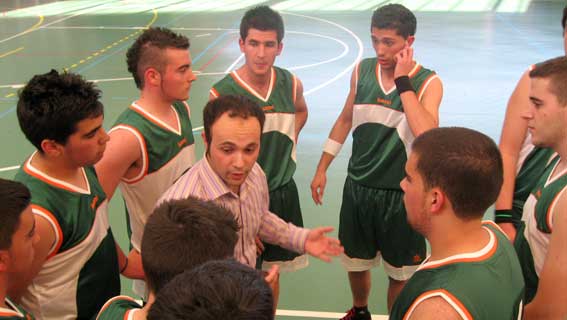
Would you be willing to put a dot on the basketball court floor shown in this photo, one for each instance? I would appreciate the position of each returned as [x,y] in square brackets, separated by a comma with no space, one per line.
[479,48]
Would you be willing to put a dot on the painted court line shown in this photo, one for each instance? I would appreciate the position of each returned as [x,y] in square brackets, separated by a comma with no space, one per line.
[318,314]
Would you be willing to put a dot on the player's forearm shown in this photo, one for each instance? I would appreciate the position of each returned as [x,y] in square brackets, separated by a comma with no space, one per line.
[300,120]
[419,119]
[506,196]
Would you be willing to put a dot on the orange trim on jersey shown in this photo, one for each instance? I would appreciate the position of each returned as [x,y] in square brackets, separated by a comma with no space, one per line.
[47,180]
[442,293]
[245,86]
[431,265]
[109,302]
[415,70]
[145,169]
[55,223]
[146,115]
[426,84]
[548,216]
[214,92]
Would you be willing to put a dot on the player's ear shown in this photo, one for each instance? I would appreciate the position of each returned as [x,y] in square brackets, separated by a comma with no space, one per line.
[280,48]
[410,40]
[241,44]
[437,200]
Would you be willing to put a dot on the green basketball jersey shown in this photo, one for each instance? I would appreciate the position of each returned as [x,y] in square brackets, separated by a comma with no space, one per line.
[482,285]
[167,153]
[277,148]
[14,312]
[119,308]
[381,135]
[532,239]
[81,270]
[531,165]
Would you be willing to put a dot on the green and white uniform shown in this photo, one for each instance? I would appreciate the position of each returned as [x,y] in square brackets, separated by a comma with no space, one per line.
[14,312]
[534,234]
[167,153]
[381,144]
[81,270]
[277,153]
[119,308]
[531,164]
[482,285]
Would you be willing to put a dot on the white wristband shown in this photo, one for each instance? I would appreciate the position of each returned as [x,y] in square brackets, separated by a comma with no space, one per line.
[332,147]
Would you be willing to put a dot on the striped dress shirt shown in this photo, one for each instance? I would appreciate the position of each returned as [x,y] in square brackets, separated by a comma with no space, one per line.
[250,208]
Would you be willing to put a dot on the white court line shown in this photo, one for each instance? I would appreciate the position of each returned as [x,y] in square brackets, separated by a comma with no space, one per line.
[195,130]
[317,314]
[54,22]
[347,69]
[203,35]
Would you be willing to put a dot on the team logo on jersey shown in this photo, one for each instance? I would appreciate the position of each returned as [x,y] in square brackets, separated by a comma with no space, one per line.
[384,101]
[417,258]
[268,108]
[537,194]
[182,143]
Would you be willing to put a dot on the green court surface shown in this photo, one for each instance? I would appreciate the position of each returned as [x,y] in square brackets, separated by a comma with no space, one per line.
[479,48]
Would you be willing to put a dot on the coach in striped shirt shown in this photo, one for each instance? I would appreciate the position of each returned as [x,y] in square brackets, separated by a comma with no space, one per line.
[230,176]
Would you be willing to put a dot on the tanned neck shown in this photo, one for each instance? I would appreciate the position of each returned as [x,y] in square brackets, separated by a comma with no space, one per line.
[457,238]
[58,170]
[257,81]
[154,103]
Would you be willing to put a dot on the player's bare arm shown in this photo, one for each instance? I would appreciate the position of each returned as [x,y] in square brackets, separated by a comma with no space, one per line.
[300,109]
[435,308]
[122,159]
[338,134]
[513,134]
[422,114]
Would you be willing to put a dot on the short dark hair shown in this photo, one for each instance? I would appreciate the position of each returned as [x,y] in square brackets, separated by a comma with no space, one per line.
[464,163]
[148,51]
[215,290]
[556,71]
[52,104]
[262,18]
[182,234]
[395,17]
[236,106]
[14,199]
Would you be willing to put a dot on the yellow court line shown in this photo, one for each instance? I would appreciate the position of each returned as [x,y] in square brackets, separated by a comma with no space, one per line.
[11,52]
[32,28]
[114,44]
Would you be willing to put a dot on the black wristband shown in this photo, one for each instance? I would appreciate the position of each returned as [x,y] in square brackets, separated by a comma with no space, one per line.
[504,216]
[403,84]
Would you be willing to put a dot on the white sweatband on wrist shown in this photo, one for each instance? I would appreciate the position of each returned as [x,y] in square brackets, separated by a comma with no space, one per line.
[332,147]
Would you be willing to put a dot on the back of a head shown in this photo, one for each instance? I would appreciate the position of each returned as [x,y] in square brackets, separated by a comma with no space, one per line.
[52,104]
[236,106]
[182,234]
[215,290]
[148,51]
[556,71]
[465,164]
[262,18]
[395,17]
[14,199]
[564,18]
